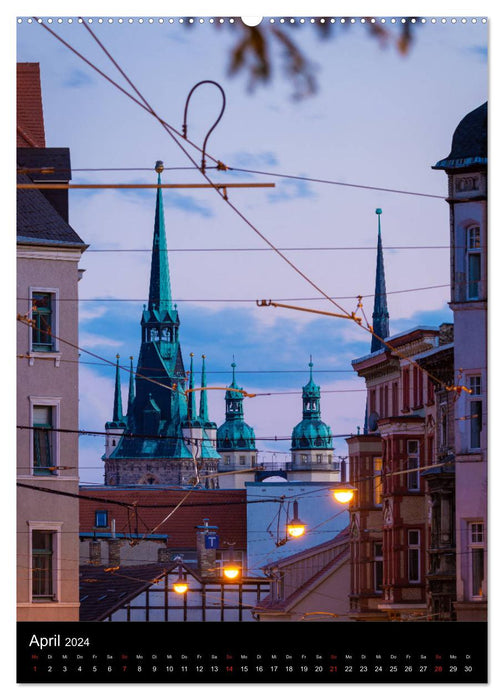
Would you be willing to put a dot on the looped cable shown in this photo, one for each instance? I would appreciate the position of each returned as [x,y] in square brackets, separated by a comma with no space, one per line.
[184,125]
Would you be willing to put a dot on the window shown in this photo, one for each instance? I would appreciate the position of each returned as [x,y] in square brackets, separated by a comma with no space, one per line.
[476,412]
[253,460]
[473,262]
[101,518]
[430,391]
[413,462]
[242,460]
[304,459]
[377,481]
[378,567]
[395,402]
[475,385]
[473,237]
[477,558]
[406,389]
[372,400]
[227,459]
[42,564]
[319,459]
[43,305]
[43,440]
[414,556]
[329,459]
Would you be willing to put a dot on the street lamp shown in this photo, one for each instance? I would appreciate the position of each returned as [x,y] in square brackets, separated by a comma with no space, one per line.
[296,528]
[232,569]
[344,494]
[181,586]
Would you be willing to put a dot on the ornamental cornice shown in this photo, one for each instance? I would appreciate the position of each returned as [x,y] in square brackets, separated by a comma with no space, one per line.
[45,253]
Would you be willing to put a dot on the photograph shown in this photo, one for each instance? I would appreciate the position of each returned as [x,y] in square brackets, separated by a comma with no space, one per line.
[251,349]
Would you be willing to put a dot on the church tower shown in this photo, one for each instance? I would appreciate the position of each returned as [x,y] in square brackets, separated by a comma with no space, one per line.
[380,310]
[235,440]
[380,319]
[116,427]
[161,441]
[311,444]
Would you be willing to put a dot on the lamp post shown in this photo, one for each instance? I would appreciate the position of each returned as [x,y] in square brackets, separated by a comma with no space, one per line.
[181,585]
[232,570]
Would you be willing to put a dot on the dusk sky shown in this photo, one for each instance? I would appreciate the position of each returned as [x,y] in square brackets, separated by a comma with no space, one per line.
[378,119]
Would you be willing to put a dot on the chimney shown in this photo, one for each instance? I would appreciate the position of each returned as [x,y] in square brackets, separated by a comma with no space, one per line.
[95,552]
[164,554]
[207,543]
[114,546]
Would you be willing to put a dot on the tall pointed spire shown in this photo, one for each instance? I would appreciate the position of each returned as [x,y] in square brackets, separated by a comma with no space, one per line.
[159,290]
[203,413]
[380,310]
[131,393]
[191,404]
[118,414]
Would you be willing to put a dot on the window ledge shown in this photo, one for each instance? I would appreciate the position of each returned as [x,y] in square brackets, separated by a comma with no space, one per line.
[50,354]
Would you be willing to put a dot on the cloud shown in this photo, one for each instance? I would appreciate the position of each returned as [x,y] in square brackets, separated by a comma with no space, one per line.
[90,314]
[171,200]
[246,159]
[92,340]
[479,50]
[77,78]
[287,190]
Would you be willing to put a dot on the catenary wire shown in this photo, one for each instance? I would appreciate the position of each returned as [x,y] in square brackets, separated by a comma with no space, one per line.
[170,130]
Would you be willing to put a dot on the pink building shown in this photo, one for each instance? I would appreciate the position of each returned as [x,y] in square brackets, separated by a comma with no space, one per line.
[48,255]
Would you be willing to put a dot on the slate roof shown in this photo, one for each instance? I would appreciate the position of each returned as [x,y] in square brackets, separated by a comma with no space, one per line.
[270,604]
[56,158]
[38,223]
[101,591]
[469,143]
[227,509]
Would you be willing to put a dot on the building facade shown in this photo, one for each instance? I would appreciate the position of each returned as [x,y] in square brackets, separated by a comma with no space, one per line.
[466,168]
[48,257]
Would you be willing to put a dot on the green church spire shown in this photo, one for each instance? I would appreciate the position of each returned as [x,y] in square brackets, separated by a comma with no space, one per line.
[160,298]
[203,413]
[131,394]
[380,311]
[117,414]
[191,404]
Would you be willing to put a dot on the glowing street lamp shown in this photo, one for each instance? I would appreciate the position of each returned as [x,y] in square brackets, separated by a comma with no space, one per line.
[296,528]
[231,570]
[181,585]
[344,494]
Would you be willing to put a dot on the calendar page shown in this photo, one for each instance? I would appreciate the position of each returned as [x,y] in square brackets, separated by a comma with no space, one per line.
[252,349]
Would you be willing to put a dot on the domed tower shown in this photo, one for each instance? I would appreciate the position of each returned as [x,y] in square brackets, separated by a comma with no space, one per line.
[311,446]
[235,440]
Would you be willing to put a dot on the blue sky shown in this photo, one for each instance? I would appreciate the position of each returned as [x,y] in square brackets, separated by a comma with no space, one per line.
[378,119]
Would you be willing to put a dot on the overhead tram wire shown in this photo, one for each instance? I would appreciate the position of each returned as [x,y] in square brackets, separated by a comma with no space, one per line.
[98,433]
[247,301]
[171,131]
[53,170]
